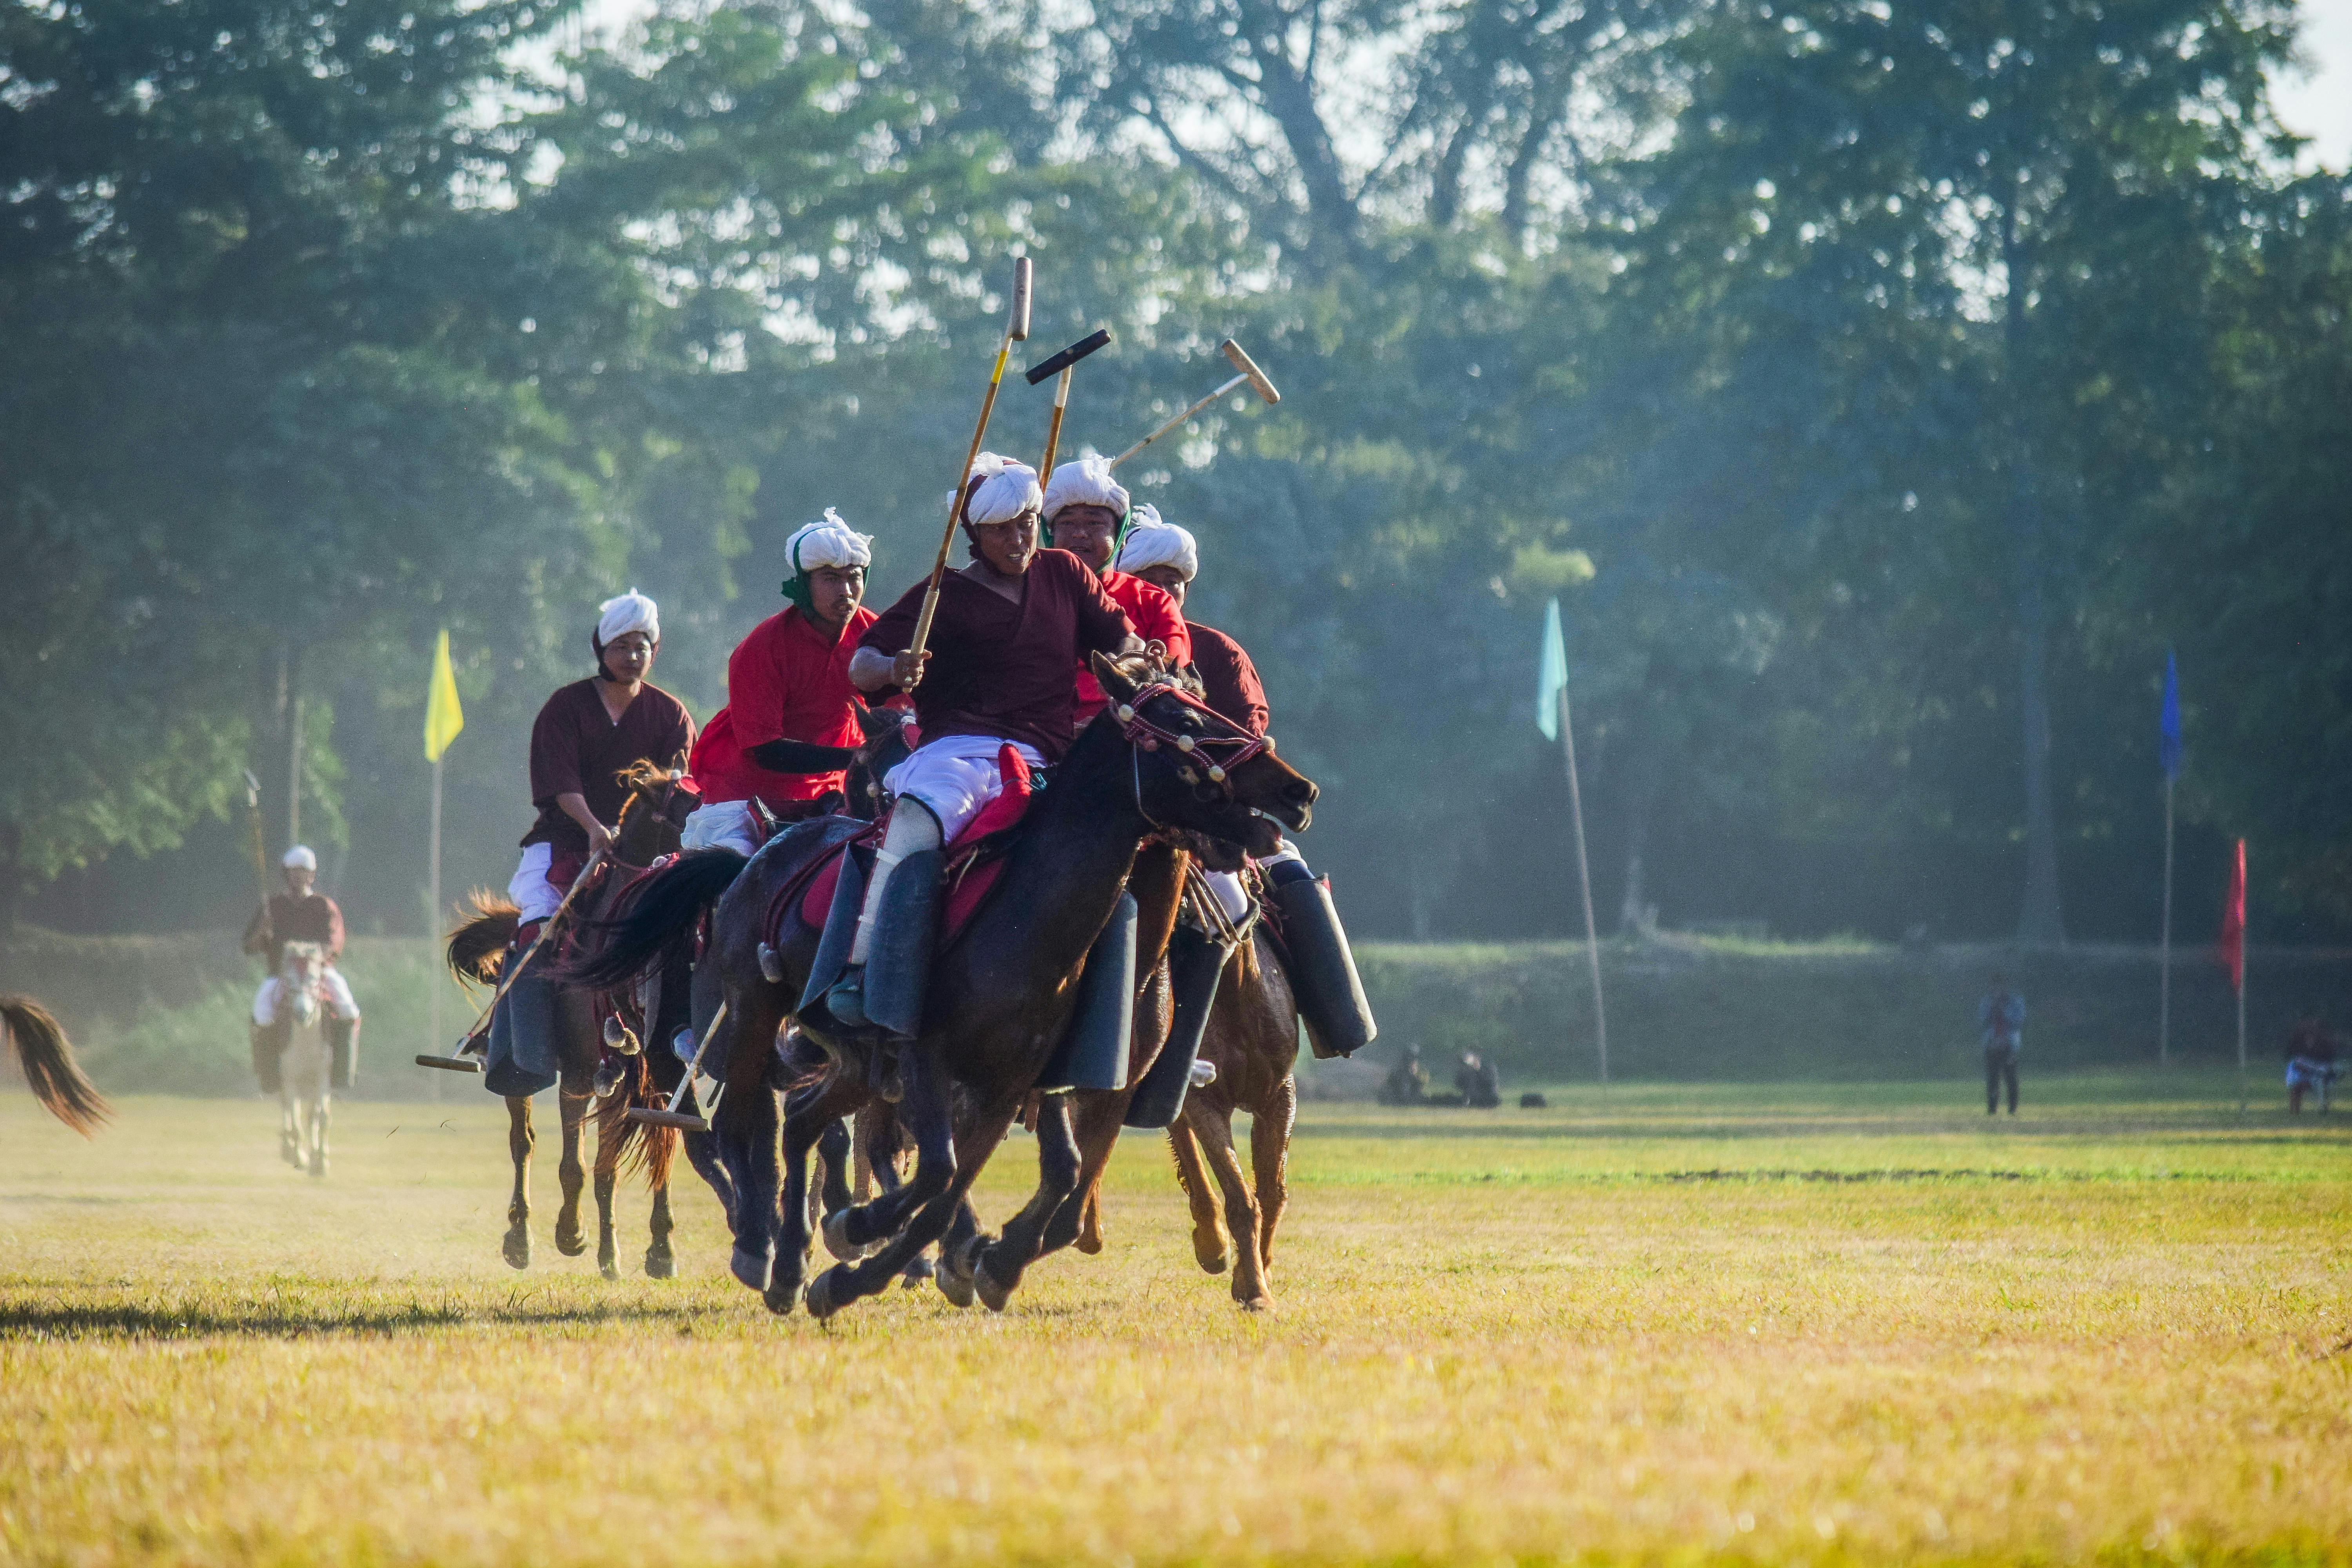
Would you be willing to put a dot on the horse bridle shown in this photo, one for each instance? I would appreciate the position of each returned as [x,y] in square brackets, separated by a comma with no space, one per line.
[1218,754]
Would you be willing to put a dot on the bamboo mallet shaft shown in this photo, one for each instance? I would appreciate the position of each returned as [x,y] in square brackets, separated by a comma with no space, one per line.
[1247,372]
[1016,329]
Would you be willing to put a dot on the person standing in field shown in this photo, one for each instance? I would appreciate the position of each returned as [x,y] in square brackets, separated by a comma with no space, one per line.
[2000,1023]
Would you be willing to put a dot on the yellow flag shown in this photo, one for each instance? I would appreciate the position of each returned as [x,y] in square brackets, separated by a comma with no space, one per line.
[443,717]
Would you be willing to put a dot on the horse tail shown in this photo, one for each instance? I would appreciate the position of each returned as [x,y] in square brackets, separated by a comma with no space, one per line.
[479,944]
[663,905]
[624,1143]
[49,1062]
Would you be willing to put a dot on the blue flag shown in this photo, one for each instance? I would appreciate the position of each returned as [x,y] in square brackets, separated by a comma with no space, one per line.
[1551,674]
[2167,749]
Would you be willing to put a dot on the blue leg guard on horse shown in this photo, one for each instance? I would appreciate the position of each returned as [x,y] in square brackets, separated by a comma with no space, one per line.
[523,1057]
[1093,1052]
[905,933]
[1322,970]
[1196,960]
[833,945]
[268,1054]
[343,1036]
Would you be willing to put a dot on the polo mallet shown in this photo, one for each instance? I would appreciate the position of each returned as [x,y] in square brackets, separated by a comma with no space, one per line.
[1016,329]
[673,1116]
[1249,372]
[1065,362]
[462,1061]
[253,832]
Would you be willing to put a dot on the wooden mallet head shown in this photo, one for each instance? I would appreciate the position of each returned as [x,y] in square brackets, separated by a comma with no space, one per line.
[1248,367]
[1016,325]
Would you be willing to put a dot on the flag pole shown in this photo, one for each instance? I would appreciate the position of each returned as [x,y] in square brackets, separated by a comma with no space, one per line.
[1584,884]
[2245,955]
[2164,961]
[433,921]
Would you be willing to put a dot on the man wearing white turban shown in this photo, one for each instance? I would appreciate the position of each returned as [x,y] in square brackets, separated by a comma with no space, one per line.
[1006,631]
[1168,557]
[790,727]
[300,913]
[586,736]
[1087,514]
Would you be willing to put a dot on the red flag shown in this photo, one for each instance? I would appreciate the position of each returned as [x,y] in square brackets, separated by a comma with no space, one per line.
[2233,922]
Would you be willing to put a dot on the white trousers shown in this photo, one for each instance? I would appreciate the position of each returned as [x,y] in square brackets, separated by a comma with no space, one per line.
[533,894]
[726,825]
[335,991]
[954,776]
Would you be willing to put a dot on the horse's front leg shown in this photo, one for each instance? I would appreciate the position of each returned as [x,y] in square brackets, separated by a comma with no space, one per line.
[661,1263]
[811,1117]
[520,1140]
[608,1250]
[571,1238]
[317,1139]
[997,1272]
[289,1123]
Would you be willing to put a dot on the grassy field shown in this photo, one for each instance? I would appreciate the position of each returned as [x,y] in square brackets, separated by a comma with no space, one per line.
[1799,1324]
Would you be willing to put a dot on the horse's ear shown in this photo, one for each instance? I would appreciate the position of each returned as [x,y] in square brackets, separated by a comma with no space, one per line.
[873,721]
[1113,681]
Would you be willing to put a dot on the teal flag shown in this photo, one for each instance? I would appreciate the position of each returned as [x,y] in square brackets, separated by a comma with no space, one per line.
[1551,674]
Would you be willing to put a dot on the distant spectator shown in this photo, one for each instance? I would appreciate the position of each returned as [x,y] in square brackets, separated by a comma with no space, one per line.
[1480,1084]
[2311,1062]
[1407,1083]
[2001,1021]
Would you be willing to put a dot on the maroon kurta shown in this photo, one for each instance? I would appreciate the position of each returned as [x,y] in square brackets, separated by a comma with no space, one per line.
[1002,668]
[1229,680]
[577,749]
[285,918]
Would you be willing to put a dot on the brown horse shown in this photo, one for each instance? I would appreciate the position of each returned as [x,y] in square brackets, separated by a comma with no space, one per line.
[649,828]
[1253,1042]
[47,1057]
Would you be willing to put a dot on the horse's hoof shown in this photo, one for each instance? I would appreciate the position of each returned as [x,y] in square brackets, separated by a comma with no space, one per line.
[515,1248]
[915,1273]
[1209,1253]
[750,1268]
[318,1168]
[955,1286]
[1257,1303]
[992,1296]
[660,1263]
[572,1243]
[836,1237]
[1088,1242]
[780,1303]
[820,1300]
[608,1264]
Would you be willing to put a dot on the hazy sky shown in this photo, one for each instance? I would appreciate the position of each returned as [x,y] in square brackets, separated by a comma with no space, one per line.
[2319,105]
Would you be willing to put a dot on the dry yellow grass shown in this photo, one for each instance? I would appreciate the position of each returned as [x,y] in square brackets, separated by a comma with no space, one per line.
[1509,1336]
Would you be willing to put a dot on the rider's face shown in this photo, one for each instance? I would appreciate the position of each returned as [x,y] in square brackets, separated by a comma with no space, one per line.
[835,592]
[1007,547]
[299,880]
[1086,531]
[629,657]
[1168,578]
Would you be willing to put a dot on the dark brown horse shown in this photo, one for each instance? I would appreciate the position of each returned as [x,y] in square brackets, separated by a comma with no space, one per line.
[47,1059]
[1000,1000]
[648,829]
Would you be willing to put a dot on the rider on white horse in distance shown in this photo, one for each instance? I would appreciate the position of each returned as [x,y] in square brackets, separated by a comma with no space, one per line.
[300,913]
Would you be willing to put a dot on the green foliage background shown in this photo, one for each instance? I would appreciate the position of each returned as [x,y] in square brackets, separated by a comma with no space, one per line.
[1882,388]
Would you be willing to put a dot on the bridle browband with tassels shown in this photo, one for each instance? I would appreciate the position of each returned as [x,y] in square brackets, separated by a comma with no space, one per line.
[1219,755]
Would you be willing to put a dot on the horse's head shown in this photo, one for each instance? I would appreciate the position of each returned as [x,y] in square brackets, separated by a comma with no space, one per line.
[1195,768]
[300,968]
[653,817]
[887,743]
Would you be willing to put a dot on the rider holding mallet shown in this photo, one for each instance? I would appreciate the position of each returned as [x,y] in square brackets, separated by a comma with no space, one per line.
[300,913]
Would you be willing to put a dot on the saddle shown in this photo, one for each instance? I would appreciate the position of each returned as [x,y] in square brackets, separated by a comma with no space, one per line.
[975,860]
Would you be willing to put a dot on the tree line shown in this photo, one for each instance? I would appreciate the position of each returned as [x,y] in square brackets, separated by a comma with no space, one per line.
[1881,388]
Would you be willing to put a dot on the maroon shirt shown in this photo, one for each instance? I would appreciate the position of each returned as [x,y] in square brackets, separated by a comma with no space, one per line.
[576,749]
[1229,680]
[285,918]
[1002,668]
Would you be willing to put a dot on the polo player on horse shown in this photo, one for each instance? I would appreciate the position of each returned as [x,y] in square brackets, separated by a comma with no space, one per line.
[1007,630]
[1086,513]
[300,913]
[586,736]
[779,748]
[1331,995]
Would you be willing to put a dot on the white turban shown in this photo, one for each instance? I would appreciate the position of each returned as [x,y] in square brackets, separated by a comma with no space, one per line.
[300,858]
[632,612]
[828,542]
[1151,542]
[1007,489]
[1086,482]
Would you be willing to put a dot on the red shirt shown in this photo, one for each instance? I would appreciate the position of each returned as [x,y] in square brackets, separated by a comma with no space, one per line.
[1229,680]
[1000,667]
[1156,618]
[785,681]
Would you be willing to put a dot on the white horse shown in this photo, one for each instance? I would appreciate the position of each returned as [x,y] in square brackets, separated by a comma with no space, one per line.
[306,1069]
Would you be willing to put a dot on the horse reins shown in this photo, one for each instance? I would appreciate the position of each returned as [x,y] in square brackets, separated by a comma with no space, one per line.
[1221,754]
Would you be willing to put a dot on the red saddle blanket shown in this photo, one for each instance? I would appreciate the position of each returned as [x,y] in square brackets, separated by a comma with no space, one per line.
[972,866]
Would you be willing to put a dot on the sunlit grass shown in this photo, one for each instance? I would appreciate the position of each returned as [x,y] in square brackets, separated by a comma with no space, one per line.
[1644,1323]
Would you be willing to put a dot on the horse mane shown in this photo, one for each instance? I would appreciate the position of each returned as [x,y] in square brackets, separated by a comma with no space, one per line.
[478,944]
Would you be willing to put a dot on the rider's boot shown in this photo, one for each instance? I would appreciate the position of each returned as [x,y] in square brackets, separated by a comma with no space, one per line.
[1322,970]
[1195,962]
[343,1038]
[896,915]
[523,1057]
[269,1050]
